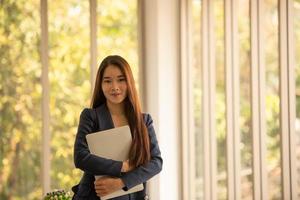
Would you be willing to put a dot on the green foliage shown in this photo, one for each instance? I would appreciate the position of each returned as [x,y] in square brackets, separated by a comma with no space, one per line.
[58,195]
[118,31]
[20,100]
[69,76]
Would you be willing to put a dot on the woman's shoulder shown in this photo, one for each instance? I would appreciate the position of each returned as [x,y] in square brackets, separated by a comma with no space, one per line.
[86,111]
[90,111]
[86,114]
[147,119]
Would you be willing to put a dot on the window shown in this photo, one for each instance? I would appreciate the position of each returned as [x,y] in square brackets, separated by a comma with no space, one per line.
[69,75]
[20,102]
[240,138]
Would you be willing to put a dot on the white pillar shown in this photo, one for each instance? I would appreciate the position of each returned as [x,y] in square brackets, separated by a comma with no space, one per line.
[162,90]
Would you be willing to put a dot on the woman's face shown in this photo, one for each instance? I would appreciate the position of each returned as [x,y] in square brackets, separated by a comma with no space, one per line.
[114,85]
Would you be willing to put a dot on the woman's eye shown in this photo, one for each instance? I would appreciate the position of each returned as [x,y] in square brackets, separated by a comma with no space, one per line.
[107,81]
[122,79]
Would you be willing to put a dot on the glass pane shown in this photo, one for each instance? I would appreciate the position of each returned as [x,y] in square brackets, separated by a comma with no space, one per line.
[296,19]
[245,98]
[196,71]
[117,33]
[20,102]
[69,75]
[219,28]
[271,33]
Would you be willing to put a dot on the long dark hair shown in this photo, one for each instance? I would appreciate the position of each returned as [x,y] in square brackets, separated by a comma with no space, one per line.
[140,149]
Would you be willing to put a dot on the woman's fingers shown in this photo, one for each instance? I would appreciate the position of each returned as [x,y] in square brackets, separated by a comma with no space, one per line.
[101,191]
[106,185]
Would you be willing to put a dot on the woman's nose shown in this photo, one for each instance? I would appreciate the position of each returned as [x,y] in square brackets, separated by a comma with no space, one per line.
[115,86]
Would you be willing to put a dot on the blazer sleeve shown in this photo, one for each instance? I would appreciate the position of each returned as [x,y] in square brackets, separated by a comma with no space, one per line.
[143,173]
[86,161]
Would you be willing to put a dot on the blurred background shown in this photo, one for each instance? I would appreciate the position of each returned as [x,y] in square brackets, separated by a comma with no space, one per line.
[221,79]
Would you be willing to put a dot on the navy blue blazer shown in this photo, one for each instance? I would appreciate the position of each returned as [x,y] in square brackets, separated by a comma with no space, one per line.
[95,165]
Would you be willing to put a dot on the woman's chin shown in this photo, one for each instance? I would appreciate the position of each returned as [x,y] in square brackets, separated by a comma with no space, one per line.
[115,101]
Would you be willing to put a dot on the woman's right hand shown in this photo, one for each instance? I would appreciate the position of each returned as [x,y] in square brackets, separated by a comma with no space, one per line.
[126,166]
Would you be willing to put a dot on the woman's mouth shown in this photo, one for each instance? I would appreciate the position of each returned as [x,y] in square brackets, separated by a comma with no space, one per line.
[115,94]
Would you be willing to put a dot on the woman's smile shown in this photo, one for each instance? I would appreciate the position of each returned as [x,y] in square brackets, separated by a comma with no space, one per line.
[114,85]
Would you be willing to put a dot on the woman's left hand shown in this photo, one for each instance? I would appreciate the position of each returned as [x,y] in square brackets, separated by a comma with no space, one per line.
[106,185]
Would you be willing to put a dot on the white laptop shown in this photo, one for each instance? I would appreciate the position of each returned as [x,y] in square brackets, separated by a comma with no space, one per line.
[113,144]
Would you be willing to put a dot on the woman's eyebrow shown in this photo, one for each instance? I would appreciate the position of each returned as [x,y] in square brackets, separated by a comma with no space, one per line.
[106,77]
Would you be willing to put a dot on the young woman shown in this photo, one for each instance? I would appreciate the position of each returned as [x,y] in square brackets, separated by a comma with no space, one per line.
[115,103]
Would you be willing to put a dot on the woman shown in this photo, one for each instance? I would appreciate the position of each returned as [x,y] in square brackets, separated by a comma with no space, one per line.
[115,103]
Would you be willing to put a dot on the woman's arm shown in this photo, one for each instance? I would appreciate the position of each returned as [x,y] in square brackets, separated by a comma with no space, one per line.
[86,161]
[143,173]
[107,185]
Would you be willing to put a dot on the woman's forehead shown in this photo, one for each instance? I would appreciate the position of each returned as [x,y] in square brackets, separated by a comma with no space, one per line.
[113,71]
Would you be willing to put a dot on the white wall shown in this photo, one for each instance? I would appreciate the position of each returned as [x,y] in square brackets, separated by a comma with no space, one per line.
[161,54]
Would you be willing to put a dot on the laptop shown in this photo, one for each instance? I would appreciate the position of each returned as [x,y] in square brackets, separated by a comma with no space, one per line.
[112,144]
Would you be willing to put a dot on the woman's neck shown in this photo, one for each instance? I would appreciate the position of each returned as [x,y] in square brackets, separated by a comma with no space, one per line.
[115,109]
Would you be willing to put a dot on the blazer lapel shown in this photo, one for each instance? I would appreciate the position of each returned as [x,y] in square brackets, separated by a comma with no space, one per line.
[104,118]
